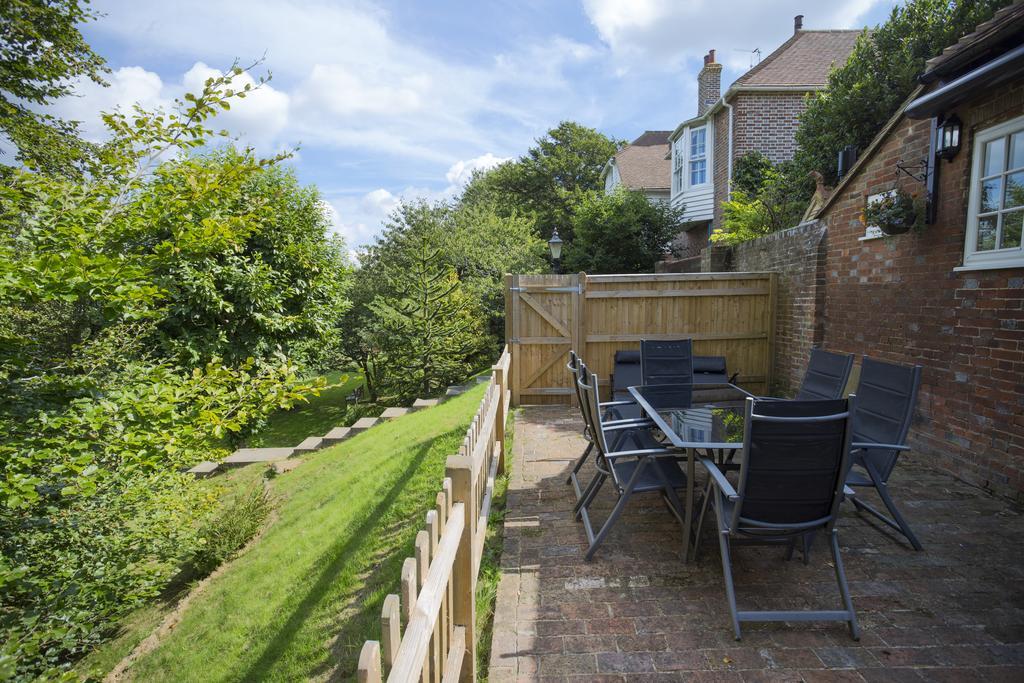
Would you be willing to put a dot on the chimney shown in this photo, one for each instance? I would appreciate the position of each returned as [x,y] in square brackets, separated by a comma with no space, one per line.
[709,83]
[798,22]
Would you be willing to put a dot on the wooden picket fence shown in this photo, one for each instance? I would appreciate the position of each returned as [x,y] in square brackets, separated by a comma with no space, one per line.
[437,604]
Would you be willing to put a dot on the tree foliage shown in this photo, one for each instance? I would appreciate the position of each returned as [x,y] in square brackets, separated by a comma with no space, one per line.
[549,182]
[880,74]
[621,233]
[42,54]
[130,299]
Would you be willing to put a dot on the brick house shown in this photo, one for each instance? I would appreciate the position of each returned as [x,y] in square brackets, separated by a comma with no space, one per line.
[951,298]
[757,113]
[641,165]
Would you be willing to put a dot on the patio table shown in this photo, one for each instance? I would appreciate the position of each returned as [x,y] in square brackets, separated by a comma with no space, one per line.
[694,417]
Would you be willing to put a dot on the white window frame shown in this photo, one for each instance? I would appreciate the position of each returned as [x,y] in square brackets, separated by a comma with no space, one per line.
[691,158]
[679,164]
[995,258]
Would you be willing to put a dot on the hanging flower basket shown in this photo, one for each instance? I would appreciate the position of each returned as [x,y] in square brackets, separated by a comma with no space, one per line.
[894,214]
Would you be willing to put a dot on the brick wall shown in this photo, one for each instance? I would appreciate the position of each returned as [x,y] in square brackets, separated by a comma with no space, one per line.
[797,256]
[720,170]
[900,300]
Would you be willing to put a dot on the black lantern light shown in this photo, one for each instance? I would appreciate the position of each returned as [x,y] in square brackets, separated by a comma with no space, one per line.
[947,142]
[555,245]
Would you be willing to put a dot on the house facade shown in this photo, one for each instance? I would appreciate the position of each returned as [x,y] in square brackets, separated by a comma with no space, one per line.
[759,112]
[641,165]
[949,297]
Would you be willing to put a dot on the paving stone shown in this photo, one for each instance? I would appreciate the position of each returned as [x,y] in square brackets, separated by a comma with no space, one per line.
[310,444]
[245,456]
[283,466]
[336,435]
[422,403]
[954,612]
[392,413]
[204,469]
[455,390]
[362,424]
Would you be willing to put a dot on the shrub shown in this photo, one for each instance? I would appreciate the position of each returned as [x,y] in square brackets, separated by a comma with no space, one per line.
[227,531]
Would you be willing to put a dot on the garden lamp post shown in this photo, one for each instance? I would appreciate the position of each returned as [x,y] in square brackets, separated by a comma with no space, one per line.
[555,246]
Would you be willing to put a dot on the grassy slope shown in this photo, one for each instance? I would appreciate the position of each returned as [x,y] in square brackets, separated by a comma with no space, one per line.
[299,604]
[315,418]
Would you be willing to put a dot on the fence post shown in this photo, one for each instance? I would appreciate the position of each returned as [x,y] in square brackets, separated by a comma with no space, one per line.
[499,415]
[459,469]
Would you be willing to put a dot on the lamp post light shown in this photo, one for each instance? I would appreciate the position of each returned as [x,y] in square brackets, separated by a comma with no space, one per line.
[947,142]
[555,246]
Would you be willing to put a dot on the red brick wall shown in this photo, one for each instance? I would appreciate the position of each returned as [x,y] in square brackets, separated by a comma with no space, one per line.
[720,156]
[900,300]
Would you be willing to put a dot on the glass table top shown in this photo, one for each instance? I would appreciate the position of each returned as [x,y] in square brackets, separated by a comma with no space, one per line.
[695,415]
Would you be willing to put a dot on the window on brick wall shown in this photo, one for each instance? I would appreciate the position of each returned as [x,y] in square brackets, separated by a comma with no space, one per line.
[995,212]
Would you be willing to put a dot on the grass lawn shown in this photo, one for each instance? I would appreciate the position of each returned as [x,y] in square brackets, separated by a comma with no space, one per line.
[302,600]
[317,417]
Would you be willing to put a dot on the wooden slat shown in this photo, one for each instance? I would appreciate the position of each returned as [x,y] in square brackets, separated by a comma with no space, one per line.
[714,336]
[546,314]
[660,293]
[416,642]
[368,670]
[661,277]
[547,391]
[453,665]
[390,629]
[544,340]
[544,367]
[408,589]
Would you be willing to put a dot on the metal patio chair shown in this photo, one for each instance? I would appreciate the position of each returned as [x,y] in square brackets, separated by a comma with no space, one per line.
[613,410]
[666,362]
[826,376]
[646,467]
[887,394]
[790,485]
[711,370]
[626,374]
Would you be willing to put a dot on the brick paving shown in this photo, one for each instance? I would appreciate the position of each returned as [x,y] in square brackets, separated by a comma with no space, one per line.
[954,612]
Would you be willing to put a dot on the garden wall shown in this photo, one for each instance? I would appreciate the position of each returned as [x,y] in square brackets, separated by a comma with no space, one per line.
[797,256]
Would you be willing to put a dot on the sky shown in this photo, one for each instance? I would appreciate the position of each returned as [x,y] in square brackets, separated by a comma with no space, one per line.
[385,101]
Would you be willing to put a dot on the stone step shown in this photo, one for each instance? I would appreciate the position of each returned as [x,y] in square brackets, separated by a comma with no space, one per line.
[392,413]
[455,390]
[480,379]
[204,469]
[421,403]
[310,444]
[282,466]
[336,435]
[244,456]
[362,424]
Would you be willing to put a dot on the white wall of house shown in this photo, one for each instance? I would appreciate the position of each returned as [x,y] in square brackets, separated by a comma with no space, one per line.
[693,171]
[611,179]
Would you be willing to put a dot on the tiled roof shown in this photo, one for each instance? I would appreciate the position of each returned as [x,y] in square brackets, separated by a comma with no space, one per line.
[1005,25]
[642,165]
[804,59]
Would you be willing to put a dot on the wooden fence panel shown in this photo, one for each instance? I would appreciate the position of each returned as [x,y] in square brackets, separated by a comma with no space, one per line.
[726,314]
[438,586]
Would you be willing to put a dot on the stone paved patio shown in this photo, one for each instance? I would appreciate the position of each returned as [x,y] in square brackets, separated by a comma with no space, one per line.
[954,612]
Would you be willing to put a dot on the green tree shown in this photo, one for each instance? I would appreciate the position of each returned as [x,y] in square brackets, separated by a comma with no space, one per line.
[775,203]
[880,74]
[42,53]
[550,181]
[621,233]
[749,171]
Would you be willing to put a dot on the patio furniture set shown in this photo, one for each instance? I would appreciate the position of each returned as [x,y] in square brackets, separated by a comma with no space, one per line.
[777,470]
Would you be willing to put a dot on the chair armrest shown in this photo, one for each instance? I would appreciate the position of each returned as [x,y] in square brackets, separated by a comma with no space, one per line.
[719,479]
[642,453]
[624,424]
[606,404]
[636,421]
[868,445]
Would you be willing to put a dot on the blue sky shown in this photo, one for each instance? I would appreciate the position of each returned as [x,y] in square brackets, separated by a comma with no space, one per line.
[400,99]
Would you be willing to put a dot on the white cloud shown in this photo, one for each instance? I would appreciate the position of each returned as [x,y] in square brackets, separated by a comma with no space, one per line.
[665,32]
[461,171]
[128,86]
[259,119]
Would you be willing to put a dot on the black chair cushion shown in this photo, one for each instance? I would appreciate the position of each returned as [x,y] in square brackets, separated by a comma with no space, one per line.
[709,370]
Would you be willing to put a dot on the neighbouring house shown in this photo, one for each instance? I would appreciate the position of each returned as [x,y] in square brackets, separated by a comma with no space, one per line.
[641,165]
[949,297]
[759,112]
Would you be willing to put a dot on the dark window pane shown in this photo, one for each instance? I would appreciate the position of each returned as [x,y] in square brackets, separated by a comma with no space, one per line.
[1012,223]
[990,194]
[987,233]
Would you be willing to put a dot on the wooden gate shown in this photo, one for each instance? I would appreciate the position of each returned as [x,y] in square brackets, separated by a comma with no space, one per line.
[726,314]
[541,325]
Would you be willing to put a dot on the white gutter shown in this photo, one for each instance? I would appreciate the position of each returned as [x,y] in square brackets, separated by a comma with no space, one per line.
[728,179]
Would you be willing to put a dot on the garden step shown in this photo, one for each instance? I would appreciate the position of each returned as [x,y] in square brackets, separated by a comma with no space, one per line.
[310,444]
[363,423]
[282,466]
[392,413]
[204,469]
[336,435]
[455,390]
[244,456]
[421,403]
